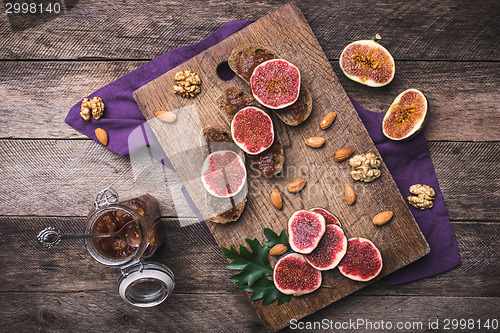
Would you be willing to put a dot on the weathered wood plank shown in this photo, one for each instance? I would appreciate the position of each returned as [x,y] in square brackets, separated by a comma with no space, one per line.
[465,177]
[407,310]
[196,261]
[143,29]
[62,177]
[105,311]
[96,311]
[462,96]
[53,169]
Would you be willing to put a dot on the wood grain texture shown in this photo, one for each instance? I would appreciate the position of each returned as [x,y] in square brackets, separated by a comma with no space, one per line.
[27,179]
[404,309]
[61,177]
[67,291]
[447,30]
[462,96]
[288,34]
[475,162]
[44,92]
[196,261]
[92,311]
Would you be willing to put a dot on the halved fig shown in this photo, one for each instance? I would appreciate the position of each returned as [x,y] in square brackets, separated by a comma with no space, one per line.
[227,209]
[293,275]
[275,83]
[243,61]
[362,261]
[330,250]
[329,217]
[305,230]
[270,161]
[368,62]
[252,130]
[405,116]
[224,174]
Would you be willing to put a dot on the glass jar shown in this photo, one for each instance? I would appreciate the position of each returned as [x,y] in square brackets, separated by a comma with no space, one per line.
[141,283]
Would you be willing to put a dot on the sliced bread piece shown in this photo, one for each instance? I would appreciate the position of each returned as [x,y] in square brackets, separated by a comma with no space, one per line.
[245,58]
[299,111]
[230,215]
[217,139]
[233,99]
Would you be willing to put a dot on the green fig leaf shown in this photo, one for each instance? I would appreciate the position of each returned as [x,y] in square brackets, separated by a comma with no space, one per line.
[254,268]
[265,289]
[274,239]
[253,265]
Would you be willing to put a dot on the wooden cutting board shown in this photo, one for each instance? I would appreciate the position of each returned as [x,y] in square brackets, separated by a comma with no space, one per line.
[288,34]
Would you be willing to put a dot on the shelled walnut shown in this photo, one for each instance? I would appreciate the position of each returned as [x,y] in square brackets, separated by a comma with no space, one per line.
[94,106]
[365,167]
[187,84]
[424,196]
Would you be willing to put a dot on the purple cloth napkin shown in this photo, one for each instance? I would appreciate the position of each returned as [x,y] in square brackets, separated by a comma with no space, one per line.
[409,162]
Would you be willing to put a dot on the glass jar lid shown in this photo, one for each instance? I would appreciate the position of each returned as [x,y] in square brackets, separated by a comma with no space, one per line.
[146,284]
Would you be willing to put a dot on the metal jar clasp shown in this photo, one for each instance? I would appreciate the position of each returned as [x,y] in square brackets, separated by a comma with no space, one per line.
[105,197]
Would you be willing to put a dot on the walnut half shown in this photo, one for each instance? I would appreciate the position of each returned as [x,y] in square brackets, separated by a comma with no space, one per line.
[187,84]
[424,196]
[94,106]
[365,167]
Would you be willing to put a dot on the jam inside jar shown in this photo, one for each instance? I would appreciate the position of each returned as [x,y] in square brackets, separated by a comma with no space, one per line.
[116,247]
[143,236]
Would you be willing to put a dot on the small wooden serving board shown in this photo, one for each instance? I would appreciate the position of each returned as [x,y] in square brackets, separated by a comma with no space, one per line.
[287,33]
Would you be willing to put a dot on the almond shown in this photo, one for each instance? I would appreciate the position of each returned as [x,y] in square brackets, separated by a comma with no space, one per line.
[350,195]
[166,116]
[327,120]
[343,154]
[276,199]
[278,250]
[315,142]
[296,186]
[102,136]
[382,218]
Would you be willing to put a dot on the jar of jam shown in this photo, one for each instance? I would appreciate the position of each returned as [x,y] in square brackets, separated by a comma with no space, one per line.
[141,283]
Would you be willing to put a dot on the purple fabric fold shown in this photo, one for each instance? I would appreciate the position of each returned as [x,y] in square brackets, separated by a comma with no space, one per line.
[409,162]
[122,115]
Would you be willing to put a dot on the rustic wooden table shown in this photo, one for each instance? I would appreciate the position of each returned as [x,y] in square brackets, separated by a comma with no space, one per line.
[51,173]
